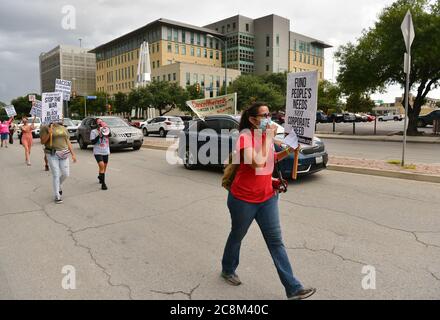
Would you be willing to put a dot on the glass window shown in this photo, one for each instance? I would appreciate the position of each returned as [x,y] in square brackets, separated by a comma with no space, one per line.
[157,64]
[183,50]
[175,35]
[169,76]
[196,77]
[192,51]
[205,53]
[267,67]
[233,26]
[211,54]
[218,82]
[217,55]
[267,41]
[192,37]
[183,36]
[267,53]
[154,64]
[202,80]
[169,34]
[188,78]
[157,47]
[174,77]
[198,39]
[205,41]
[169,48]
[198,52]
[247,27]
[164,77]
[278,40]
[176,49]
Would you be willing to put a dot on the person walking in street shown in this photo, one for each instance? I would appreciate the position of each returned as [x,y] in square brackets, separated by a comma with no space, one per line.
[57,149]
[4,132]
[252,197]
[12,129]
[27,139]
[99,137]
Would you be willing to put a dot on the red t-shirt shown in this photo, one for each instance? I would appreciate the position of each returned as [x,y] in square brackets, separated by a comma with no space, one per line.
[253,185]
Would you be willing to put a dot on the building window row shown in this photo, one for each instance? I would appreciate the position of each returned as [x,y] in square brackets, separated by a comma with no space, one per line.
[190,37]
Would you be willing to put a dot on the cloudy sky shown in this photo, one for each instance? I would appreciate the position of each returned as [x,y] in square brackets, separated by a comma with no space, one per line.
[28,28]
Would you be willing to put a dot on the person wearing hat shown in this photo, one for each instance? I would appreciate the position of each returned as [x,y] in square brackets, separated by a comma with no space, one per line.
[99,137]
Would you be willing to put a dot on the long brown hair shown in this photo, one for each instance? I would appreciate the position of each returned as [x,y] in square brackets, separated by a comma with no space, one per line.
[251,111]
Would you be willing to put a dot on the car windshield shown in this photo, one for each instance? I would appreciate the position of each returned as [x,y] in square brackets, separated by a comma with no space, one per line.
[175,119]
[68,123]
[115,122]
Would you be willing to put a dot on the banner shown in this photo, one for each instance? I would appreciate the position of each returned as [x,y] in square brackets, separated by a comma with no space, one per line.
[212,106]
[65,87]
[36,109]
[32,97]
[10,111]
[51,107]
[301,105]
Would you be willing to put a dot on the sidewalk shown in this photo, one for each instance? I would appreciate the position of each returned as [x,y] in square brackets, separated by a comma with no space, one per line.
[339,135]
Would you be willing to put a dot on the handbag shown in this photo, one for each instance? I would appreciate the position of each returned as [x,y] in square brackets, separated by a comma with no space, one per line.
[62,154]
[229,172]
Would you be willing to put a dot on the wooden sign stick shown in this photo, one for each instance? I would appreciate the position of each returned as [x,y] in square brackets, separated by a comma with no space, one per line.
[295,164]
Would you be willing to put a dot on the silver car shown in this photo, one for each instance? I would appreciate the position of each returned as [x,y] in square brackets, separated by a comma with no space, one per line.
[122,135]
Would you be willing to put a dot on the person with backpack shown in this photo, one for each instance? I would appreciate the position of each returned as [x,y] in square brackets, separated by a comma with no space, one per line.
[57,144]
[252,197]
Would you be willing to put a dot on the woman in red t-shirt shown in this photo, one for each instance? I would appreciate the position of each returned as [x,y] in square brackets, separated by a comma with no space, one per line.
[253,197]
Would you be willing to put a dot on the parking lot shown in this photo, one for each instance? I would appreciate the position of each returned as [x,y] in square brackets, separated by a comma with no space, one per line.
[159,233]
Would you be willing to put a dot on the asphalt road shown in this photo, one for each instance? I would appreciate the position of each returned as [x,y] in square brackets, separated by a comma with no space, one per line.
[378,150]
[159,233]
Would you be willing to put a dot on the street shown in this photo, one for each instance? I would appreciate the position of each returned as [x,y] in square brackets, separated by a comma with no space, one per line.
[378,150]
[367,128]
[159,233]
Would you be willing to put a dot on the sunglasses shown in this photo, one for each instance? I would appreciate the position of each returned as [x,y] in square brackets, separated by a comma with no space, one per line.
[264,115]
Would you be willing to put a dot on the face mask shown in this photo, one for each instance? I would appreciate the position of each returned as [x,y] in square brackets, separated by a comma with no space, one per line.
[264,123]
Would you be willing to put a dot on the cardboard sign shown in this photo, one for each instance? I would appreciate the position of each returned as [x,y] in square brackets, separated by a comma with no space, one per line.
[36,109]
[10,111]
[32,97]
[65,87]
[301,105]
[51,107]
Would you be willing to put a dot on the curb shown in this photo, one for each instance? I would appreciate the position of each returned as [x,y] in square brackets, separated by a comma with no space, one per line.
[380,139]
[385,173]
[149,146]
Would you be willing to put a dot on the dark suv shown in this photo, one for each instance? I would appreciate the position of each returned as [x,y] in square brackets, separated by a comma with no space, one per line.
[204,133]
[428,119]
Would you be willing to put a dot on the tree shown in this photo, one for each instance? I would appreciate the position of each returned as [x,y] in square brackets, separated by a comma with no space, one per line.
[359,103]
[23,106]
[329,96]
[166,96]
[251,88]
[121,103]
[376,60]
[193,94]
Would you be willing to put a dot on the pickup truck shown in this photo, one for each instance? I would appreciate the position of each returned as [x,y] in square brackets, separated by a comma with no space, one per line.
[390,117]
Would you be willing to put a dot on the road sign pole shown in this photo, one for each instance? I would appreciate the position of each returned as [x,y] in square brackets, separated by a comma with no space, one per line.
[406,107]
[85,107]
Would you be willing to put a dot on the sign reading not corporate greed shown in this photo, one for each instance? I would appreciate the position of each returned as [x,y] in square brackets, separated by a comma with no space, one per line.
[65,87]
[51,107]
[301,105]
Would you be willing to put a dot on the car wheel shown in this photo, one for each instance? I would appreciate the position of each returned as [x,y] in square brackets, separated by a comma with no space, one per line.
[421,124]
[81,143]
[190,160]
[145,131]
[136,148]
[380,120]
[162,133]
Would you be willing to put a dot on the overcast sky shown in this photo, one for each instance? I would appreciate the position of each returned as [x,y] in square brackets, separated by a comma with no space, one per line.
[28,28]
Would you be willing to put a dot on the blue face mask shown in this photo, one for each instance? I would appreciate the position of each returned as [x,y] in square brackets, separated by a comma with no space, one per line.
[264,123]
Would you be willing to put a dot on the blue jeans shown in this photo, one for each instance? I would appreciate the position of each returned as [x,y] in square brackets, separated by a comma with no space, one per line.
[267,216]
[60,172]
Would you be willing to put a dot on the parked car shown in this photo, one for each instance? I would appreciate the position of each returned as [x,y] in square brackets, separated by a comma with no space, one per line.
[311,158]
[35,132]
[390,117]
[278,117]
[71,128]
[349,117]
[163,125]
[428,119]
[321,117]
[186,120]
[371,118]
[122,135]
[360,117]
[76,123]
[336,117]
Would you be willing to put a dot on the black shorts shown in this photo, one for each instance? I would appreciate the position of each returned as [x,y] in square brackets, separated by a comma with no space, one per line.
[101,158]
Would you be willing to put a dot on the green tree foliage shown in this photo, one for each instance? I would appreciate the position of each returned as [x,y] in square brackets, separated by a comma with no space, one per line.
[329,95]
[193,94]
[376,60]
[357,102]
[23,106]
[252,88]
[166,96]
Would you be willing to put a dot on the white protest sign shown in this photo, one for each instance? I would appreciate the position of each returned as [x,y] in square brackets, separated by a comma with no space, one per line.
[301,105]
[10,111]
[51,107]
[32,97]
[36,109]
[64,86]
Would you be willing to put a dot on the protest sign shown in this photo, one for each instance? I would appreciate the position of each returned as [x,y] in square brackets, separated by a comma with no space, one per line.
[212,106]
[51,107]
[65,87]
[10,111]
[36,109]
[32,97]
[301,105]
